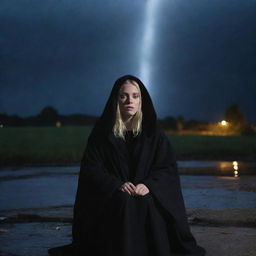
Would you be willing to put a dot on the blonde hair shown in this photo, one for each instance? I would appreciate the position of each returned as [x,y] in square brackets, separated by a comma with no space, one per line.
[119,127]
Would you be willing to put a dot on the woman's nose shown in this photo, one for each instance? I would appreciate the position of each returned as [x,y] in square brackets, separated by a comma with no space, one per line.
[128,100]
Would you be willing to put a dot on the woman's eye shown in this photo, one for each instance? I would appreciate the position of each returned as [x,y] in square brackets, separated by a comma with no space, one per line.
[124,96]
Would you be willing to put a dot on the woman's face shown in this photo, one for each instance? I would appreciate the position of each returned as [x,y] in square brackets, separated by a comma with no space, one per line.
[129,100]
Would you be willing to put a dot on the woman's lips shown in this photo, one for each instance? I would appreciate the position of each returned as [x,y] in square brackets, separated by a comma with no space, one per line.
[129,108]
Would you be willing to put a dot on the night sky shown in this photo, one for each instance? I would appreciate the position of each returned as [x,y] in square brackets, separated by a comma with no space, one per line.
[200,56]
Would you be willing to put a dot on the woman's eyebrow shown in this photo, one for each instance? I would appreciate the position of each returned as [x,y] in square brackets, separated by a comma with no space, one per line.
[128,93]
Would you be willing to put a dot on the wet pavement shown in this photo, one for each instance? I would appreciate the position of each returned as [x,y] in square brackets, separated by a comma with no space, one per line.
[56,186]
[34,239]
[36,207]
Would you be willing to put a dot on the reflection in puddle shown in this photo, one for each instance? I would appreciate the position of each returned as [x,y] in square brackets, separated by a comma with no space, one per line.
[228,166]
[220,185]
[235,166]
[219,168]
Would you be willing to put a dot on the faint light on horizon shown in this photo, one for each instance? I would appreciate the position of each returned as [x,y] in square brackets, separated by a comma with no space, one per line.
[224,122]
[58,124]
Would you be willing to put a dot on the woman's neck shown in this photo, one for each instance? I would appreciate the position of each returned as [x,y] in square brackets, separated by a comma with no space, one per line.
[128,123]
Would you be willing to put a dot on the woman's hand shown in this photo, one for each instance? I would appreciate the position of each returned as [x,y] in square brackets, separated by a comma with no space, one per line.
[131,189]
[141,189]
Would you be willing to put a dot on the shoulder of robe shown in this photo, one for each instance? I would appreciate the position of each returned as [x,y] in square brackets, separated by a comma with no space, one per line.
[160,135]
[163,140]
[94,147]
[95,138]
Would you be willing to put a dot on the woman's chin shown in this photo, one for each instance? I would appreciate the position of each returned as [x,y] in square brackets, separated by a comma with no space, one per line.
[127,115]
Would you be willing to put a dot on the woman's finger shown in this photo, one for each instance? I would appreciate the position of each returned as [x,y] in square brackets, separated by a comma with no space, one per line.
[143,191]
[131,189]
[127,190]
[138,189]
[132,185]
[128,186]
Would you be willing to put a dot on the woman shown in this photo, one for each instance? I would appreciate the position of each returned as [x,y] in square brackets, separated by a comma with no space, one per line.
[129,200]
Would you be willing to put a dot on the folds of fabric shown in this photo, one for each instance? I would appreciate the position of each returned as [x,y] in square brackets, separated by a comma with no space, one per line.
[164,183]
[95,187]
[137,229]
[111,219]
[107,221]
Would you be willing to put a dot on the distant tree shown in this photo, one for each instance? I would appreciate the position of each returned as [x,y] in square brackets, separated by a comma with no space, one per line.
[49,114]
[247,130]
[235,116]
[180,123]
[192,124]
[169,122]
[237,120]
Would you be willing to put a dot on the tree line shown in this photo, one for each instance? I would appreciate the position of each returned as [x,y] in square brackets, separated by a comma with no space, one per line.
[49,116]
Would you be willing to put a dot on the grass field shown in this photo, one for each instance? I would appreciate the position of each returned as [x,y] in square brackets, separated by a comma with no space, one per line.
[65,145]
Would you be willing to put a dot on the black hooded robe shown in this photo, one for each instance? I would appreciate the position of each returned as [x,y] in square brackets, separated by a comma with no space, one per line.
[110,222]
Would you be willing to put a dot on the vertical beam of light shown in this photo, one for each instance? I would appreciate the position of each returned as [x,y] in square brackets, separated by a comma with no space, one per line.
[148,42]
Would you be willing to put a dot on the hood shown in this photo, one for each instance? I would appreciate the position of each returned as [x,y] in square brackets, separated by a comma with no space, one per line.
[107,119]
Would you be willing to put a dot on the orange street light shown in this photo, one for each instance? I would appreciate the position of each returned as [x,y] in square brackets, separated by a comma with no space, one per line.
[224,123]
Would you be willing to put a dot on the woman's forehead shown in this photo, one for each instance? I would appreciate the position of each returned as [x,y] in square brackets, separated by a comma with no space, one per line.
[129,87]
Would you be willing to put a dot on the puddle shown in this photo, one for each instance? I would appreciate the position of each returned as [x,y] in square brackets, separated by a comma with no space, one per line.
[55,186]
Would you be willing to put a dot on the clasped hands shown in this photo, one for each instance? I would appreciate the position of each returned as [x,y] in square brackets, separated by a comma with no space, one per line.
[138,190]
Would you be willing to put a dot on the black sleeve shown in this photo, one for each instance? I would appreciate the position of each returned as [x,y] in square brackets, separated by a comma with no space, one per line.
[94,181]
[94,171]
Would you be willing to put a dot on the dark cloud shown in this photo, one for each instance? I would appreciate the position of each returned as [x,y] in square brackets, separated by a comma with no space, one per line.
[68,54]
